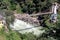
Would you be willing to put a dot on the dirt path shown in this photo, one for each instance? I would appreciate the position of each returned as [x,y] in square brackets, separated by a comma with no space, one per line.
[2,37]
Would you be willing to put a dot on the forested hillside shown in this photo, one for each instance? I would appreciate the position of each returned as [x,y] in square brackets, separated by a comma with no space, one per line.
[9,7]
[27,6]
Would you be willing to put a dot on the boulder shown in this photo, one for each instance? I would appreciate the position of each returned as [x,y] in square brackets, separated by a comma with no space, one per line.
[27,18]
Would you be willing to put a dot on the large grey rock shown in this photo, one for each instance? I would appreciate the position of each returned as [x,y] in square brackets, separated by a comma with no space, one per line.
[27,18]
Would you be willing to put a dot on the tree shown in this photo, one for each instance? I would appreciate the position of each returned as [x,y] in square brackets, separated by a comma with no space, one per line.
[9,17]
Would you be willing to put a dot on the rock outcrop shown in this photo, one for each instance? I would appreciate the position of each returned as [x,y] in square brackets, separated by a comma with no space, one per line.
[27,18]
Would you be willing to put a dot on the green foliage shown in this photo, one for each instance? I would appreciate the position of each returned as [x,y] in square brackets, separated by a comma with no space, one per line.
[29,6]
[12,35]
[53,29]
[28,36]
[18,9]
[9,17]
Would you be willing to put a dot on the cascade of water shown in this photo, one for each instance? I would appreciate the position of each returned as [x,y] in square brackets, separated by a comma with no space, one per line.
[24,27]
[54,11]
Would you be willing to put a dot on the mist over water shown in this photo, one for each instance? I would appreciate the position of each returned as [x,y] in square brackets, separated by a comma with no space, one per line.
[24,27]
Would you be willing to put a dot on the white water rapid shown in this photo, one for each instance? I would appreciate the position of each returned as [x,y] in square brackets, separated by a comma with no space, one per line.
[24,27]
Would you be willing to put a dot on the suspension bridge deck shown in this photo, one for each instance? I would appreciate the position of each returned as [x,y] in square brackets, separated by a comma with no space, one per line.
[41,14]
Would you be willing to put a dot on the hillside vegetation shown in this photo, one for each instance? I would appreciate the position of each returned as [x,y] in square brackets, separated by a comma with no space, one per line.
[52,30]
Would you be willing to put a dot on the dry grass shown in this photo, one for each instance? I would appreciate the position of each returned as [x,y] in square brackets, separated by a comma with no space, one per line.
[2,37]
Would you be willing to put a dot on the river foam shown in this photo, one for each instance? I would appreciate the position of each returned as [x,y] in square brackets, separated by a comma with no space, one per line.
[24,27]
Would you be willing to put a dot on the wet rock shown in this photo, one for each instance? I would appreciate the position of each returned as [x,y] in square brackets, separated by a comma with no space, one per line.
[27,18]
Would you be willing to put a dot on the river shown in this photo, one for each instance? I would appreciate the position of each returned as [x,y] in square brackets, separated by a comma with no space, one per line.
[24,27]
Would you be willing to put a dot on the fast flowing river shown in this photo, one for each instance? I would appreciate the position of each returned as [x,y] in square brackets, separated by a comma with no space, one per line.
[24,27]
